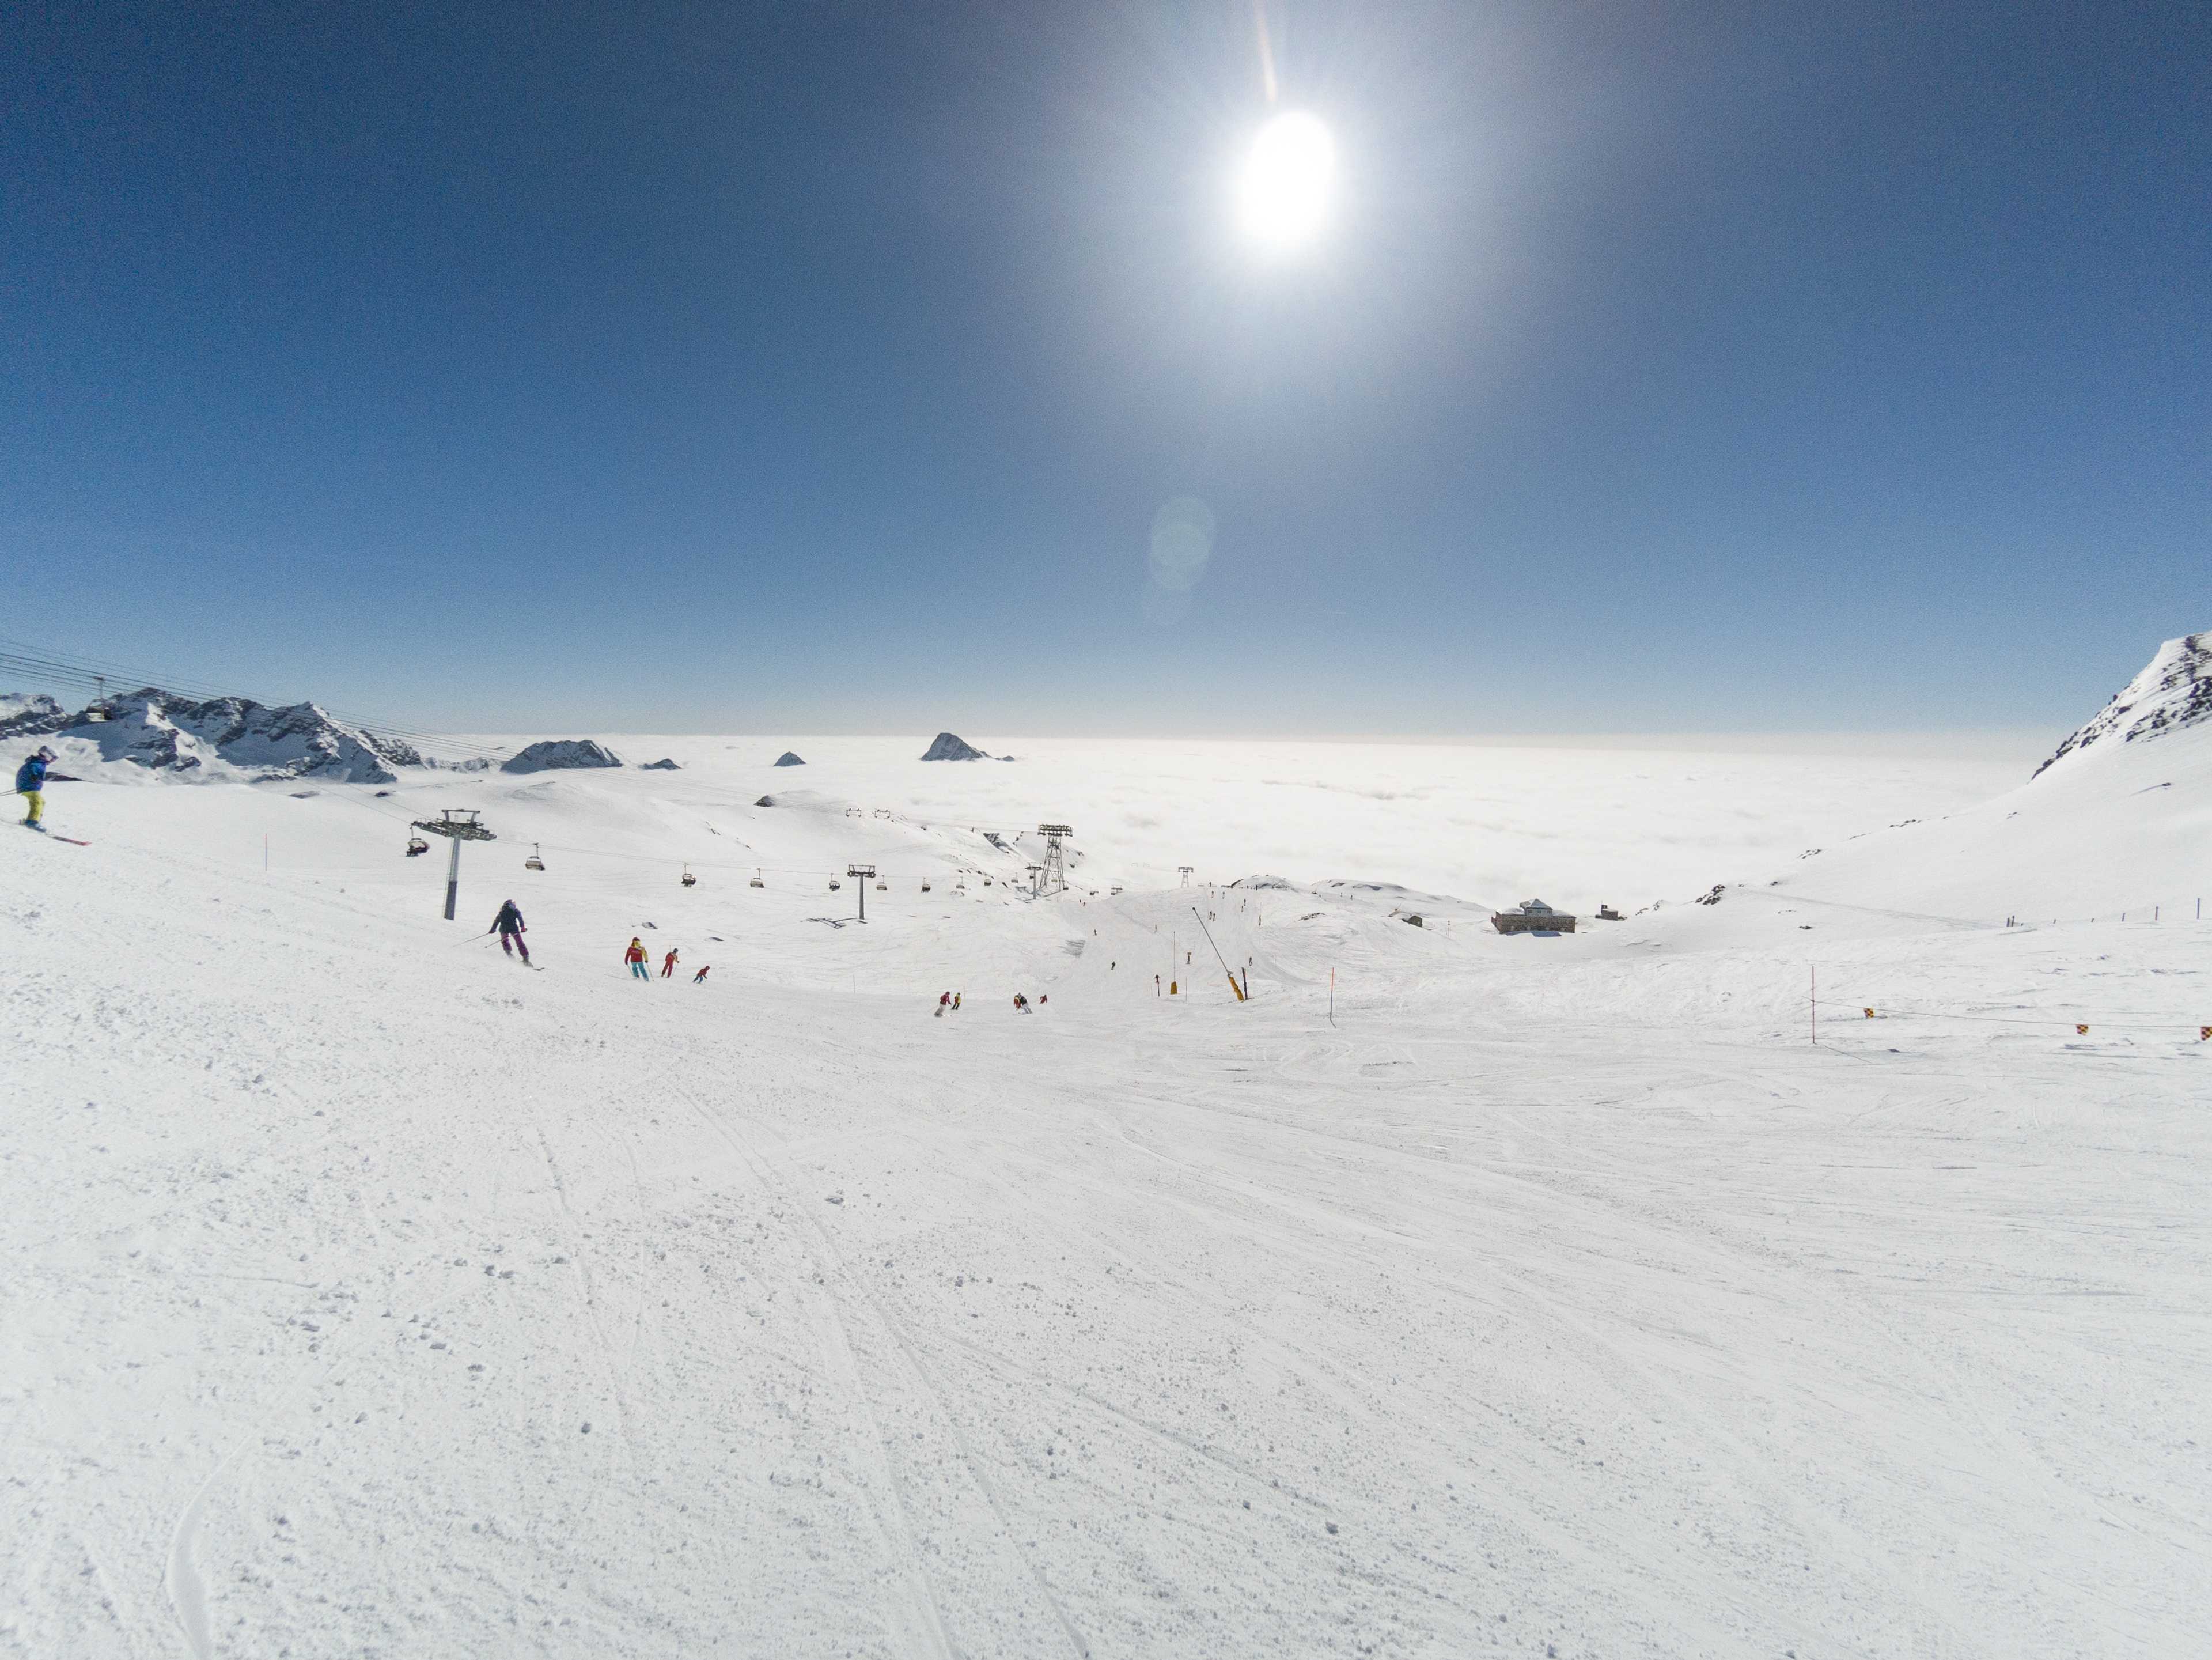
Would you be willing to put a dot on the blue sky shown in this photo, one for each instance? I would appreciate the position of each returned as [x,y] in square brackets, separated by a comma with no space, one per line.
[759,367]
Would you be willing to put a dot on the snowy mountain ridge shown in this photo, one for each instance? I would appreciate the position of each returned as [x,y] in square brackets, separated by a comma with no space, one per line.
[165,732]
[2175,690]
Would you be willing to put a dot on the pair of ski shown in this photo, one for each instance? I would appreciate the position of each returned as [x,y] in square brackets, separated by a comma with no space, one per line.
[73,841]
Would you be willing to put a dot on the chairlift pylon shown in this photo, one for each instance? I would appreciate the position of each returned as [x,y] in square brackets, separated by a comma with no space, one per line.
[689,880]
[756,882]
[534,862]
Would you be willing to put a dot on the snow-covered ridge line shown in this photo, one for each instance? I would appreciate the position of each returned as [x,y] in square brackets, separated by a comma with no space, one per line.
[2175,690]
[160,729]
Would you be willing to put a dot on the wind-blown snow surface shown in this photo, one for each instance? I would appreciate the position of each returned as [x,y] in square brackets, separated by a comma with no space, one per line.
[371,1295]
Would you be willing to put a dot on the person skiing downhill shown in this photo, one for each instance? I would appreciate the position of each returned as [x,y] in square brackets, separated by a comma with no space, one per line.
[668,966]
[30,784]
[702,974]
[636,957]
[509,926]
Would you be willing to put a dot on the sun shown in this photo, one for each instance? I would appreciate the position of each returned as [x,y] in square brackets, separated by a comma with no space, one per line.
[1284,195]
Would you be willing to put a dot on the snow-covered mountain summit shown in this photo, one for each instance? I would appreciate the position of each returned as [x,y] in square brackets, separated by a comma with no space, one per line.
[2175,690]
[2121,826]
[160,729]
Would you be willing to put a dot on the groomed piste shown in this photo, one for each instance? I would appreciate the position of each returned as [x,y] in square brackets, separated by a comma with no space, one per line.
[1455,1293]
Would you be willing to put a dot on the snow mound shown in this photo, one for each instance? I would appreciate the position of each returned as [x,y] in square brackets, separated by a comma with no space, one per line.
[790,758]
[553,754]
[152,728]
[2173,691]
[663,765]
[951,746]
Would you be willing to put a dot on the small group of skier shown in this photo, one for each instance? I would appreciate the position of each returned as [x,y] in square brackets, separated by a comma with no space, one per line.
[642,967]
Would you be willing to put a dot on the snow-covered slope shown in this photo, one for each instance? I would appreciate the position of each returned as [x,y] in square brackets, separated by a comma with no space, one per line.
[2119,820]
[1454,1295]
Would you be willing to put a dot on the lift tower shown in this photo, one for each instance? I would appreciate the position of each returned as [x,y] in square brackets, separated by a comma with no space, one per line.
[457,826]
[1053,877]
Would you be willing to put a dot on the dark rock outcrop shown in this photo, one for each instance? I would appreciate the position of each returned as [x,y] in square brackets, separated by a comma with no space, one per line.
[561,754]
[949,746]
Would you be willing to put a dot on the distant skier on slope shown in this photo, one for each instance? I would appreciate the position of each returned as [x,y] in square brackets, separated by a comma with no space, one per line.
[507,925]
[943,1002]
[702,974]
[30,784]
[636,957]
[668,964]
[1021,1004]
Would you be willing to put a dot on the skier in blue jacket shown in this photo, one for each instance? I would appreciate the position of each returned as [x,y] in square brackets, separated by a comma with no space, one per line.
[30,783]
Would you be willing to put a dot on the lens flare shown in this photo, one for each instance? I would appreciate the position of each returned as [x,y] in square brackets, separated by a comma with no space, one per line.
[1285,191]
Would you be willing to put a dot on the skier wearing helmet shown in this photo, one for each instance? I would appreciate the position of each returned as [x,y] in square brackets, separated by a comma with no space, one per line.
[30,783]
[509,926]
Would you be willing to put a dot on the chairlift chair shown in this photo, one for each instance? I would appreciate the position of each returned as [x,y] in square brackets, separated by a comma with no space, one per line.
[925,887]
[756,882]
[534,862]
[834,884]
[882,886]
[689,880]
[416,847]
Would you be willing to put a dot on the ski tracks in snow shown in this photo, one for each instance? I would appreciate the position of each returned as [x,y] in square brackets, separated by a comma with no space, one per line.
[833,1272]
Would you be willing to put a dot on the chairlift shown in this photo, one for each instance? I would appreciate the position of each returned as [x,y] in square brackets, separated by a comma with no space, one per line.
[925,887]
[834,884]
[689,880]
[882,886]
[756,882]
[534,862]
[416,847]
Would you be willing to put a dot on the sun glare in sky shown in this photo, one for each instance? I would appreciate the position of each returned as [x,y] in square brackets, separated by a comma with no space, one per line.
[1284,191]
